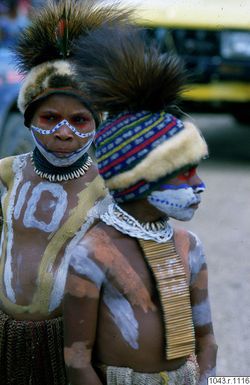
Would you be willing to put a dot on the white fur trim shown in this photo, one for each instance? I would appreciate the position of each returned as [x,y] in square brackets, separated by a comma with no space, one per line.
[186,147]
[33,86]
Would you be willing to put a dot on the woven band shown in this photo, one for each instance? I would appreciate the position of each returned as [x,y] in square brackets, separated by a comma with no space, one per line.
[170,276]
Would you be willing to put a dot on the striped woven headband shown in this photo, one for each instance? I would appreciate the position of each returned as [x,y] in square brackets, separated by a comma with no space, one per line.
[137,136]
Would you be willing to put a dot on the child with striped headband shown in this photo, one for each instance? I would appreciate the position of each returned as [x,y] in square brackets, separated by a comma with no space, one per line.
[138,285]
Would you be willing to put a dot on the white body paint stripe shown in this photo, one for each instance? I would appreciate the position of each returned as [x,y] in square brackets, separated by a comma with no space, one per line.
[61,275]
[61,203]
[21,199]
[120,308]
[18,165]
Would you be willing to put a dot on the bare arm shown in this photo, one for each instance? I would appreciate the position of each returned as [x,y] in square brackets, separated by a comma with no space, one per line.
[80,317]
[206,348]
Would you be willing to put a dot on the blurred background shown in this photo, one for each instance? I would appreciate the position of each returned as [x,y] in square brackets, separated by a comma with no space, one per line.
[213,39]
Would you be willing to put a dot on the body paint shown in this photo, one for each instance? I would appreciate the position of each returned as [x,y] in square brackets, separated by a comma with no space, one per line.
[77,356]
[61,274]
[21,199]
[117,266]
[122,314]
[119,307]
[18,166]
[45,290]
[202,313]
[60,205]
[196,258]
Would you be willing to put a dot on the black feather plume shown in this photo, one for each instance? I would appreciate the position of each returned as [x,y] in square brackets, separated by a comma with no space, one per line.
[55,27]
[122,72]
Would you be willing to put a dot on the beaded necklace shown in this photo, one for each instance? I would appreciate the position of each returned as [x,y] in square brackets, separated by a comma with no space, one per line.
[58,174]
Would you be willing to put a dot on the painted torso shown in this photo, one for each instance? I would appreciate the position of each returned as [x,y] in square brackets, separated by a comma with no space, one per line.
[130,319]
[42,221]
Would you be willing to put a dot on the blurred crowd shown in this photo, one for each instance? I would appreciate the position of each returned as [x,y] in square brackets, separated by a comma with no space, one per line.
[13,17]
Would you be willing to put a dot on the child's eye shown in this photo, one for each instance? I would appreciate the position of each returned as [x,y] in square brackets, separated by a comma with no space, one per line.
[79,119]
[48,118]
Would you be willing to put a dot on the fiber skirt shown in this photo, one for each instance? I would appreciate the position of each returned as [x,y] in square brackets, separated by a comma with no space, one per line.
[31,352]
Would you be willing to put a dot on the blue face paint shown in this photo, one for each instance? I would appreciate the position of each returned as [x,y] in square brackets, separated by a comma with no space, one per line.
[198,188]
[64,122]
[177,201]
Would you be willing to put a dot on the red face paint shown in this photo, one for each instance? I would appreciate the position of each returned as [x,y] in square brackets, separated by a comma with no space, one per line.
[185,176]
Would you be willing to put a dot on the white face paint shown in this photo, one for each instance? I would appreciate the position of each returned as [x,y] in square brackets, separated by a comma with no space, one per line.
[62,161]
[178,202]
[64,122]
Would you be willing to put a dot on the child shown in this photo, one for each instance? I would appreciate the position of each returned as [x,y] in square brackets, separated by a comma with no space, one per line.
[136,301]
[46,194]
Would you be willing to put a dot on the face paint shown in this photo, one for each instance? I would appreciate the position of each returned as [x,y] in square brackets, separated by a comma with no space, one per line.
[178,202]
[62,161]
[64,122]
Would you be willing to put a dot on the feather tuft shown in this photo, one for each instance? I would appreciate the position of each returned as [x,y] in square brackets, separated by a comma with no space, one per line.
[127,73]
[55,27]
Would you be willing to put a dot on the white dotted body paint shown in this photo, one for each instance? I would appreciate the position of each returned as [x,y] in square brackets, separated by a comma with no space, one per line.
[120,309]
[175,202]
[59,203]
[18,165]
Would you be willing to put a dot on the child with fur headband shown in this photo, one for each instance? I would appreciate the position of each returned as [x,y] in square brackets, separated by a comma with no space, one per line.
[136,284]
[47,193]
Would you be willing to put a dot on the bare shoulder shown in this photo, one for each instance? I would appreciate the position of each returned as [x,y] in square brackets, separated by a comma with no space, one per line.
[6,168]
[102,235]
[96,249]
[190,249]
[186,240]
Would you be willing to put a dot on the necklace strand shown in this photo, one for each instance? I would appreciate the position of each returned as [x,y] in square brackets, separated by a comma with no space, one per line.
[54,176]
[159,231]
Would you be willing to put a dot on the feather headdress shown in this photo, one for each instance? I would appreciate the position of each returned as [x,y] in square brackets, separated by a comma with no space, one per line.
[54,28]
[141,143]
[128,74]
[46,46]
